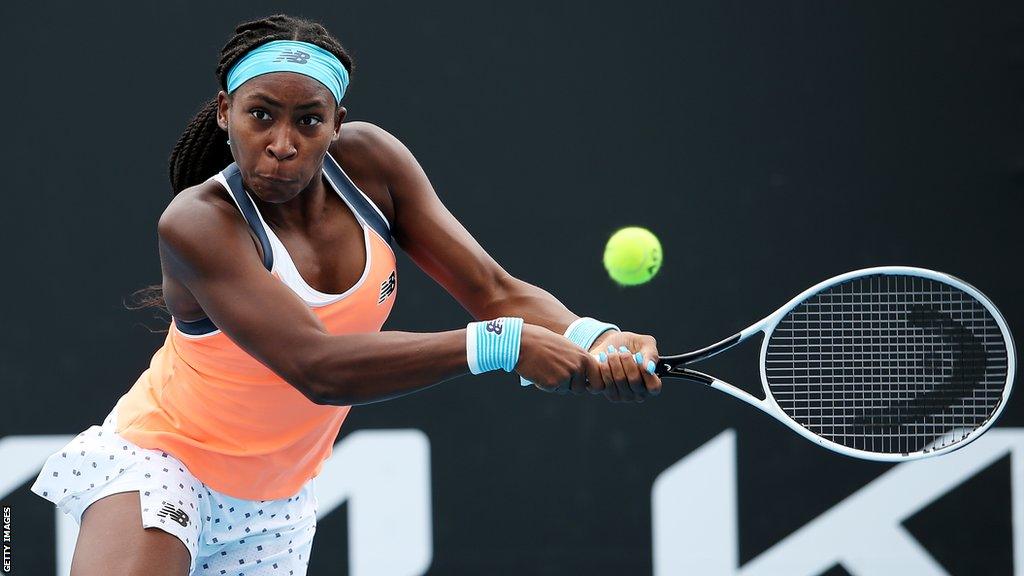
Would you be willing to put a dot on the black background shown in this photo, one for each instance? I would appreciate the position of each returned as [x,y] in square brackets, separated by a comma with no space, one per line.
[769,144]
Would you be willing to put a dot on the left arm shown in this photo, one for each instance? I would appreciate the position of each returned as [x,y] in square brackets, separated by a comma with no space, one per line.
[449,254]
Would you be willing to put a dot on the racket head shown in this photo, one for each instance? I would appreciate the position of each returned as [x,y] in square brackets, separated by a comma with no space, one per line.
[946,343]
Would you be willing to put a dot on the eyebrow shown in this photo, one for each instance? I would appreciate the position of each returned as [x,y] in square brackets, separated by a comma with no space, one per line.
[275,103]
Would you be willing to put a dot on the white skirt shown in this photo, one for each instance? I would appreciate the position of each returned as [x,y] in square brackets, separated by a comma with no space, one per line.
[224,535]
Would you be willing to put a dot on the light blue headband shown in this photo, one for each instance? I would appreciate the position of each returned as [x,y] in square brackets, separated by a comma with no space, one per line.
[291,56]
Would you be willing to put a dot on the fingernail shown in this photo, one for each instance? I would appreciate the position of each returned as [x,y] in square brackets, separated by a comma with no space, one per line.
[602,357]
[639,359]
[611,349]
[623,349]
[650,367]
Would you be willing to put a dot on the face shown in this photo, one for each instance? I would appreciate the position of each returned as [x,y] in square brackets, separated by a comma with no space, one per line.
[280,126]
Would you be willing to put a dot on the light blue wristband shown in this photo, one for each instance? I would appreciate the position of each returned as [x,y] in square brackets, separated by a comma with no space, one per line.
[582,333]
[493,345]
[585,330]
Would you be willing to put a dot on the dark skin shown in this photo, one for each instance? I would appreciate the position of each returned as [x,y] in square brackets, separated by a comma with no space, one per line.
[280,125]
[112,542]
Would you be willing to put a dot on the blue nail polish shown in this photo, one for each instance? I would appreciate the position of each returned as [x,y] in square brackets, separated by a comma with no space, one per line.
[639,359]
[611,349]
[650,367]
[602,357]
[623,349]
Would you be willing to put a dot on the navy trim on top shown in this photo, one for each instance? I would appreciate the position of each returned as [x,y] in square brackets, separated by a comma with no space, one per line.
[196,327]
[233,176]
[336,177]
[367,212]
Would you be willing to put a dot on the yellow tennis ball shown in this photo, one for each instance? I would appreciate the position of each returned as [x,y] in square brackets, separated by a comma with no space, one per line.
[632,256]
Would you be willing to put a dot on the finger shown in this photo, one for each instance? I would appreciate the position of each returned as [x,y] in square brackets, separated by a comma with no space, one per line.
[544,386]
[652,383]
[578,381]
[651,358]
[563,386]
[615,363]
[610,391]
[631,364]
[595,383]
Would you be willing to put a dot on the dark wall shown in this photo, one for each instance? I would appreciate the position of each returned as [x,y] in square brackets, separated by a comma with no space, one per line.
[770,145]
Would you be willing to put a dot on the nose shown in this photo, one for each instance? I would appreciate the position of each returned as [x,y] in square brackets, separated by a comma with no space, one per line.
[282,144]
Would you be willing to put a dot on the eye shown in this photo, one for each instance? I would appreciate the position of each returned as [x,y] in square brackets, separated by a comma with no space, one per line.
[259,114]
[311,120]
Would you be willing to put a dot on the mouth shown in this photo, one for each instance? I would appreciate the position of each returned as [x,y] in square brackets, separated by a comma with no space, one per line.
[276,179]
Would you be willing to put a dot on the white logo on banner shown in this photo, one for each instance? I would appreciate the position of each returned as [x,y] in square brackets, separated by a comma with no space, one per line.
[384,475]
[695,520]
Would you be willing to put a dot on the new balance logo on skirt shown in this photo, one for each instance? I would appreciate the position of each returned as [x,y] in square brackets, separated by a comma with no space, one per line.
[173,513]
[387,287]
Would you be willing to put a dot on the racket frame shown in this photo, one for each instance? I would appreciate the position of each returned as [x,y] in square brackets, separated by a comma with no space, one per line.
[678,366]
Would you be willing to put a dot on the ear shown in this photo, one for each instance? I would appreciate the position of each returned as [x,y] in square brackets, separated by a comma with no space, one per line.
[338,117]
[223,105]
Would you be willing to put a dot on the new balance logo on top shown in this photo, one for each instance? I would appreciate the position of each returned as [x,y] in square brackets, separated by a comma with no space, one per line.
[496,326]
[173,513]
[387,287]
[293,56]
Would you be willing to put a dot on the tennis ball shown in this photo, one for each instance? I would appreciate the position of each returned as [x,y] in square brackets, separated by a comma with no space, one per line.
[632,256]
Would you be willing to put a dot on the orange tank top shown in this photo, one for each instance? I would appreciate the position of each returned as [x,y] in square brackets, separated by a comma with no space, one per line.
[236,425]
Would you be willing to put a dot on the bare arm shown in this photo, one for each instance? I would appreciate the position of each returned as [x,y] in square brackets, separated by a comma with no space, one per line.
[205,245]
[445,250]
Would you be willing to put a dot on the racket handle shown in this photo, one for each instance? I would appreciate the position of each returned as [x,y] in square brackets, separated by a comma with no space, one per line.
[672,370]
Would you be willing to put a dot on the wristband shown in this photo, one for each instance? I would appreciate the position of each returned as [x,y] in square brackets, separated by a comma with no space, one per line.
[493,345]
[585,330]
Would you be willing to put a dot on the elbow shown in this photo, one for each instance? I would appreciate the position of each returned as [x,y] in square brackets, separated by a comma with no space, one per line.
[322,391]
[311,374]
[315,394]
[315,390]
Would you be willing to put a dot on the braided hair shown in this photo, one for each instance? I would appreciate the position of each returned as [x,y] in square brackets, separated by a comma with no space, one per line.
[202,150]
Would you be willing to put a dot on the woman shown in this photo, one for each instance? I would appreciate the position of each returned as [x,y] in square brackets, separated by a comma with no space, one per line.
[218,442]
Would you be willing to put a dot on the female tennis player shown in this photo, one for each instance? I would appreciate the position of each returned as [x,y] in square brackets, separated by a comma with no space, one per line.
[278,273]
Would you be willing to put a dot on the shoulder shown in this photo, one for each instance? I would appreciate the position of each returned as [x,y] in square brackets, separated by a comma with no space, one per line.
[371,157]
[365,143]
[372,150]
[201,217]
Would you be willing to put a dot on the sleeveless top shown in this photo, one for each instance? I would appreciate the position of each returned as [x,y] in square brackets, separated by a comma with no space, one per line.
[238,427]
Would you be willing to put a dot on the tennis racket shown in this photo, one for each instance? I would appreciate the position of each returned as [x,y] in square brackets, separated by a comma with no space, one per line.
[890,363]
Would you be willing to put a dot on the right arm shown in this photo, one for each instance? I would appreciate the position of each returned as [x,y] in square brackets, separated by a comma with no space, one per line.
[206,246]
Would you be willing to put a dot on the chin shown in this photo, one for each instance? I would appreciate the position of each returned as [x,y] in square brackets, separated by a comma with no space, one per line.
[274,191]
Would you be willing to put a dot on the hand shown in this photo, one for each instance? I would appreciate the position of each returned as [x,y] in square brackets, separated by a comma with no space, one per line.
[623,378]
[553,363]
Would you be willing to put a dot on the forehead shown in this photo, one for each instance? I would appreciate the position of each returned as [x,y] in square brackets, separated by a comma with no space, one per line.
[286,87]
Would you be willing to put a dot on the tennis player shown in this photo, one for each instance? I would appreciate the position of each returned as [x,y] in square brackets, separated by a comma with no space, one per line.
[278,271]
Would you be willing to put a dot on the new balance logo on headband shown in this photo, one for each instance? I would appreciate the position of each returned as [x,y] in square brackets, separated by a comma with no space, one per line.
[293,56]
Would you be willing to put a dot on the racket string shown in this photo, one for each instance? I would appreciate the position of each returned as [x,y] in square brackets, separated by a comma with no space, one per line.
[888,363]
